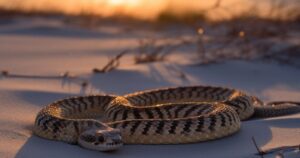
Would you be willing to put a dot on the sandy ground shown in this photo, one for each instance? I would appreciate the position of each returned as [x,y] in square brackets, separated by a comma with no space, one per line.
[40,47]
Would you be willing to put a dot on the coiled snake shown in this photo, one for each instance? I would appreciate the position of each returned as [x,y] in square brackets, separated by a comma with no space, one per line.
[160,116]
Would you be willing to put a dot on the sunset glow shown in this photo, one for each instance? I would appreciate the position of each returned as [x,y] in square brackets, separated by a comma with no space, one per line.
[123,3]
[144,9]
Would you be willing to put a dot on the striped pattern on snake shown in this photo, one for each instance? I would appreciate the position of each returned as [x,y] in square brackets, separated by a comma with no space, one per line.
[162,116]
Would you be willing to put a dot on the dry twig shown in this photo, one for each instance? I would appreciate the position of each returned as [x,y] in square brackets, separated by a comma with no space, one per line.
[279,151]
[149,51]
[66,77]
[112,64]
[260,152]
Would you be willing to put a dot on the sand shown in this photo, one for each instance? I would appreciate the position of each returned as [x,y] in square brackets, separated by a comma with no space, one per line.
[43,47]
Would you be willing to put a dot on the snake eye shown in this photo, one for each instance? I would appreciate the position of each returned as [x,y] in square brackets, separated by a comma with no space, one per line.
[100,139]
[88,138]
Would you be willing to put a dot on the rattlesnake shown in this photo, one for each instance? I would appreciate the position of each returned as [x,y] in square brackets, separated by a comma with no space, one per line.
[160,116]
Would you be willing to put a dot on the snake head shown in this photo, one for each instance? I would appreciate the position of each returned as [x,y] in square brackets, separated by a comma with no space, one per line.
[101,140]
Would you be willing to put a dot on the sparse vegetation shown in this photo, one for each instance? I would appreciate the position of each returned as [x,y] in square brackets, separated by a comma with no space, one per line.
[243,37]
[149,52]
[279,151]
[155,50]
[112,64]
[279,10]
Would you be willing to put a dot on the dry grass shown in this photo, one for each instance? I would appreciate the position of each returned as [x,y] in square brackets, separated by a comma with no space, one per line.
[169,18]
[156,50]
[9,13]
[279,11]
[149,52]
[245,37]
[65,77]
[112,64]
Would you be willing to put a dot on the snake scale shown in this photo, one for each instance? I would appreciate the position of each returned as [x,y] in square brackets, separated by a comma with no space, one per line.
[159,116]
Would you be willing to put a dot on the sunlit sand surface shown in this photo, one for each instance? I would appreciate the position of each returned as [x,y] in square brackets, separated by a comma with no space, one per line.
[46,58]
[36,46]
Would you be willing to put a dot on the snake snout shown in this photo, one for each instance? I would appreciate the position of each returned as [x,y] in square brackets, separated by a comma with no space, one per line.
[101,140]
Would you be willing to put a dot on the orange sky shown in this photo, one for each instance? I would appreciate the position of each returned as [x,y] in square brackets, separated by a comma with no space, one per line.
[146,9]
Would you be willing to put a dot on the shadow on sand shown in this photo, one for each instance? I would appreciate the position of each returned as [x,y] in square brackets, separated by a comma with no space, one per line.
[39,98]
[241,141]
[144,77]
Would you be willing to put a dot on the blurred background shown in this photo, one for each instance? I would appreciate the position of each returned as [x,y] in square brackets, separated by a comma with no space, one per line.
[199,31]
[151,10]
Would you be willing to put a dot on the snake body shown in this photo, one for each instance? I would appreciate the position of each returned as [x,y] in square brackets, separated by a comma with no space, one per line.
[160,116]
